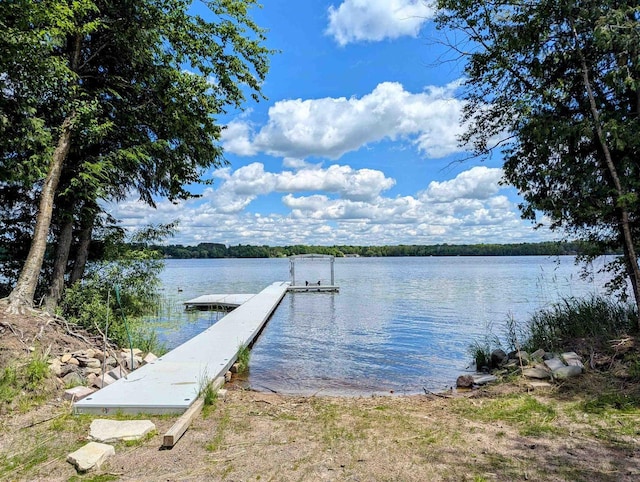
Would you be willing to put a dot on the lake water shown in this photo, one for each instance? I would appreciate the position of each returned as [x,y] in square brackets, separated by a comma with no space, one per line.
[397,324]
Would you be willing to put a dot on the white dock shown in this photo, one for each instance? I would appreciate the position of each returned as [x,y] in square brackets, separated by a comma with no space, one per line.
[171,383]
[214,302]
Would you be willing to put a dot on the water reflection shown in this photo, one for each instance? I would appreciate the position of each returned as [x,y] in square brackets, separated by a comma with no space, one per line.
[400,324]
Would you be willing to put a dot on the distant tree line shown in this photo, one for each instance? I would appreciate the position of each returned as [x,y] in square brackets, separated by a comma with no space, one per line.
[218,250]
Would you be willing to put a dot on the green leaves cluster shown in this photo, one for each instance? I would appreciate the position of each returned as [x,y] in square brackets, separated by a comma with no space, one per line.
[555,85]
[123,98]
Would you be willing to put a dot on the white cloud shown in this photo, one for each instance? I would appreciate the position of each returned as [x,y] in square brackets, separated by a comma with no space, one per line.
[341,205]
[331,127]
[477,183]
[375,20]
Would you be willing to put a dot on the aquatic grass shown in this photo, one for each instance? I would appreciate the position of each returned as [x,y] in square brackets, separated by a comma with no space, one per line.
[596,317]
[243,356]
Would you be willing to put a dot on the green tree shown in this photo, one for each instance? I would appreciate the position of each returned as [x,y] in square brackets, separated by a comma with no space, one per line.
[555,85]
[130,105]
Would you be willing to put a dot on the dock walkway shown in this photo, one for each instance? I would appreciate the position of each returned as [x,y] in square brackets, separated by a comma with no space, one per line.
[171,383]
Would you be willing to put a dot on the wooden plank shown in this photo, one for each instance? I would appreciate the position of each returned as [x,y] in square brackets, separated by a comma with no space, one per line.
[182,424]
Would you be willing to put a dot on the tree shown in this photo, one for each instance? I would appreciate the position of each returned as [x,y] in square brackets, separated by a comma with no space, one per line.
[131,104]
[555,85]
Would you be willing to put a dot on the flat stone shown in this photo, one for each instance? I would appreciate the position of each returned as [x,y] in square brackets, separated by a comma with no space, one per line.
[567,372]
[78,393]
[222,393]
[554,364]
[572,359]
[93,363]
[539,384]
[149,358]
[118,373]
[91,455]
[105,430]
[484,379]
[65,358]
[73,361]
[539,353]
[537,373]
[102,381]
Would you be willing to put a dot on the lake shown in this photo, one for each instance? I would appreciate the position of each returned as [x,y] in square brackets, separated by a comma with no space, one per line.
[397,324]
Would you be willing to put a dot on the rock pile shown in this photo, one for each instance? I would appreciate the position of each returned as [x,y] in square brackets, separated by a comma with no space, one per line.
[94,368]
[538,365]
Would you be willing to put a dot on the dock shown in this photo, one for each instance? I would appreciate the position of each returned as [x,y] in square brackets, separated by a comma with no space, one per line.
[218,302]
[171,384]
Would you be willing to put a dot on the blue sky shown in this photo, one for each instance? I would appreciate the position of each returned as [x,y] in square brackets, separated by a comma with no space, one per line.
[356,143]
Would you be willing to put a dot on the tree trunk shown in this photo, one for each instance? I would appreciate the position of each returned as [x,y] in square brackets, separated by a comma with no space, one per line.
[21,297]
[63,246]
[82,253]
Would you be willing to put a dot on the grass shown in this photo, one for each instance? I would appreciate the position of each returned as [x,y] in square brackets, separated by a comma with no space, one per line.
[23,385]
[530,416]
[596,318]
[243,358]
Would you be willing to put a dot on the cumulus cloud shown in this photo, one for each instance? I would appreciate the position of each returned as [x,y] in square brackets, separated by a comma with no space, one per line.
[341,205]
[331,127]
[477,183]
[375,20]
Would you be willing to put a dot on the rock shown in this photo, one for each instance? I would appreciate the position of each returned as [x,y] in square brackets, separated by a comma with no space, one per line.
[66,369]
[498,358]
[91,455]
[93,363]
[464,381]
[484,379]
[99,355]
[538,354]
[567,372]
[78,393]
[537,373]
[538,384]
[91,379]
[111,362]
[222,393]
[235,368]
[127,353]
[554,364]
[104,430]
[150,358]
[72,379]
[102,381]
[137,361]
[73,361]
[227,377]
[572,359]
[522,356]
[90,353]
[95,371]
[118,373]
[65,358]
[55,365]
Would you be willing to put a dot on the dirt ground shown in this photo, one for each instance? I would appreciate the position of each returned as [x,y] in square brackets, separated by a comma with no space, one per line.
[583,430]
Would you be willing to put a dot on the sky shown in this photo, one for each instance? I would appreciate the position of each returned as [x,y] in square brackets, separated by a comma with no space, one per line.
[356,143]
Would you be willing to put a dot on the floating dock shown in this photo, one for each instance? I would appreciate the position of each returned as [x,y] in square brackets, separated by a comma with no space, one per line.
[171,383]
[217,302]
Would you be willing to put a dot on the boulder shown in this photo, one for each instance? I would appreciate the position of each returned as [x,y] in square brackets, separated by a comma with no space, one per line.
[91,455]
[567,372]
[498,358]
[538,354]
[150,358]
[72,379]
[464,381]
[554,364]
[572,359]
[537,373]
[484,379]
